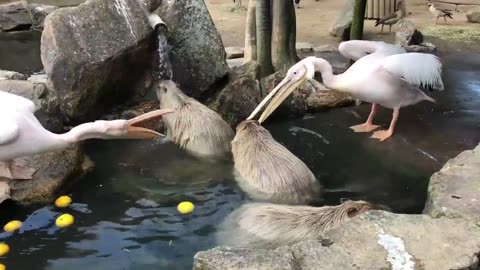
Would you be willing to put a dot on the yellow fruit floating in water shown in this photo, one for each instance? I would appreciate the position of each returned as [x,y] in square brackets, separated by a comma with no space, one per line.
[185,207]
[2,267]
[4,249]
[64,220]
[63,201]
[12,226]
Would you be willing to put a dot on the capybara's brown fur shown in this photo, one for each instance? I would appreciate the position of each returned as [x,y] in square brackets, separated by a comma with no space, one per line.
[266,225]
[193,126]
[267,171]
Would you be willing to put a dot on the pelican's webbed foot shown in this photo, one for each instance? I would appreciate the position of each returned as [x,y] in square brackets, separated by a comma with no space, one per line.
[9,170]
[382,135]
[364,127]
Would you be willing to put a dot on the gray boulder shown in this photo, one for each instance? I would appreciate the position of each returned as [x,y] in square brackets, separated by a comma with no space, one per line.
[14,16]
[473,15]
[425,47]
[222,258]
[234,52]
[94,53]
[381,240]
[343,22]
[373,240]
[52,174]
[198,55]
[11,75]
[454,190]
[244,91]
[239,98]
[406,33]
[310,97]
[39,12]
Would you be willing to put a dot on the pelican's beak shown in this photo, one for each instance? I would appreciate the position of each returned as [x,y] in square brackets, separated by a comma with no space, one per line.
[134,131]
[284,89]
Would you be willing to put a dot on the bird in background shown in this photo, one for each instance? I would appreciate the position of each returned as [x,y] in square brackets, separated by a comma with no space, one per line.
[439,12]
[393,18]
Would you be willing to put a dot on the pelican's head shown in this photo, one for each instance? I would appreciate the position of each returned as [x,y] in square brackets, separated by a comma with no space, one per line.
[296,75]
[118,129]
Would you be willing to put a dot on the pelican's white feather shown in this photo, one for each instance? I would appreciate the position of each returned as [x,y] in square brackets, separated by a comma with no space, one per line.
[9,130]
[356,49]
[420,69]
[10,101]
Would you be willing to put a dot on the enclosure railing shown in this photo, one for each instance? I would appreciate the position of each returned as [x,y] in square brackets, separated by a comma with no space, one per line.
[377,9]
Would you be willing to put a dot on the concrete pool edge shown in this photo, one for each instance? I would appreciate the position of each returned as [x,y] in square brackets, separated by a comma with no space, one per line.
[445,236]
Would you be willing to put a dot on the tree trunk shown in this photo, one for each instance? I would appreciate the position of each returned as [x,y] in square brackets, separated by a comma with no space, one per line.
[251,33]
[264,37]
[283,34]
[358,18]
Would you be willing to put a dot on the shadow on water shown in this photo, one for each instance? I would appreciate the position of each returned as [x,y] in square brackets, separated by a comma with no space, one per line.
[125,209]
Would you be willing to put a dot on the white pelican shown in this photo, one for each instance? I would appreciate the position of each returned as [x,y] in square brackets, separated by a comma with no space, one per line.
[21,134]
[383,74]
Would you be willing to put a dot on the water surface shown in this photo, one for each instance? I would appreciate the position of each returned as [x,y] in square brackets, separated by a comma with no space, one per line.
[125,209]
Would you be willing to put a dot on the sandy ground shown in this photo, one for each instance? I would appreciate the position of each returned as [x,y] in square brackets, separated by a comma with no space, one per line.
[314,19]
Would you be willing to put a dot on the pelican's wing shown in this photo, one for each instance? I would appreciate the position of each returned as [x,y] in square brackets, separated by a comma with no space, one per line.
[11,101]
[356,49]
[9,130]
[419,69]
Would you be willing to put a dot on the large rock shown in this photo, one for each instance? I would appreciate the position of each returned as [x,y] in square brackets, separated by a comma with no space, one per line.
[14,16]
[39,12]
[473,15]
[94,53]
[425,47]
[343,22]
[198,55]
[53,174]
[241,95]
[222,258]
[234,52]
[309,97]
[46,102]
[11,75]
[407,34]
[454,191]
[373,240]
[381,240]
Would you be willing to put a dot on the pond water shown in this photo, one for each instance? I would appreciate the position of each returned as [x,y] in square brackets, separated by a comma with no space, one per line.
[125,209]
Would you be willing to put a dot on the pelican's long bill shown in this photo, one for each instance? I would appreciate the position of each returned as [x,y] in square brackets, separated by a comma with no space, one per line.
[284,89]
[134,131]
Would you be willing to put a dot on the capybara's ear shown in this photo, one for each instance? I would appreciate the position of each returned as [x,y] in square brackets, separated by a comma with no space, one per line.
[352,211]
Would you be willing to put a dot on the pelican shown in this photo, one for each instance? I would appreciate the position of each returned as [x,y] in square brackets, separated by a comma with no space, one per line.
[21,134]
[383,74]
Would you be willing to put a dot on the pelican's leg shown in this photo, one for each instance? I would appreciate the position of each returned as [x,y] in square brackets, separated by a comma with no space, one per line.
[385,134]
[444,19]
[389,29]
[436,21]
[382,28]
[11,171]
[367,126]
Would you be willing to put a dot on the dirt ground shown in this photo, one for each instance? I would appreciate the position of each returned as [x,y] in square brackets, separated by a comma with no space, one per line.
[314,19]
